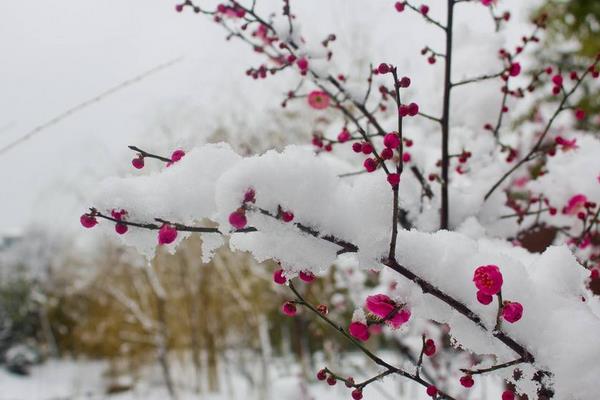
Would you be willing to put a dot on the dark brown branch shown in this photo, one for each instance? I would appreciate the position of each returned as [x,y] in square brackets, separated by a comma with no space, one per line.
[149,155]
[493,368]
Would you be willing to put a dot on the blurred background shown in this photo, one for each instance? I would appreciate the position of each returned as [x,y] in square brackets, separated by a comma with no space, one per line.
[81,316]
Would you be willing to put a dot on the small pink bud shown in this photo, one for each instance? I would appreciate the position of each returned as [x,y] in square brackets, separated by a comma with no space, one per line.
[424,9]
[399,6]
[167,234]
[344,136]
[391,141]
[357,394]
[307,276]
[580,114]
[393,179]
[429,348]
[512,311]
[515,69]
[413,109]
[237,219]
[302,64]
[367,148]
[88,221]
[557,80]
[467,381]
[250,196]
[138,162]
[483,298]
[331,381]
[121,228]
[278,277]
[287,216]
[508,395]
[431,391]
[383,68]
[387,154]
[370,165]
[323,309]
[289,309]
[177,155]
[322,375]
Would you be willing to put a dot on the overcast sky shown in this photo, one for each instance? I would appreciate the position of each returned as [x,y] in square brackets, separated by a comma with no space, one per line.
[56,54]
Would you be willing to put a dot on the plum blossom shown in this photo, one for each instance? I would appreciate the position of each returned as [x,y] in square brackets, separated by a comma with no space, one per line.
[488,279]
[575,204]
[382,306]
[318,100]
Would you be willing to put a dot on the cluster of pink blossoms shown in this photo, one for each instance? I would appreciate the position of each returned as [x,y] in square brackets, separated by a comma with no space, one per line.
[385,310]
[488,280]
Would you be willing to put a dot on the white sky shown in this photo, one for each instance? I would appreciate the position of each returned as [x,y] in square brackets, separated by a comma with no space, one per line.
[56,54]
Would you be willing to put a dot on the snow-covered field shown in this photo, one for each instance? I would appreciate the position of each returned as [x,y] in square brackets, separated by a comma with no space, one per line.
[78,380]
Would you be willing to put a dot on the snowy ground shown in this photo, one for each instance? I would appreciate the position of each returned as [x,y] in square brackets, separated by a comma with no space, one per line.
[75,380]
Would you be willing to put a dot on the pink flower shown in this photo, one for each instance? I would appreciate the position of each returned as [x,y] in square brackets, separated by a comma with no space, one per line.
[575,204]
[488,279]
[483,298]
[359,331]
[382,306]
[166,234]
[88,221]
[237,219]
[566,144]
[307,276]
[318,100]
[289,309]
[512,311]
